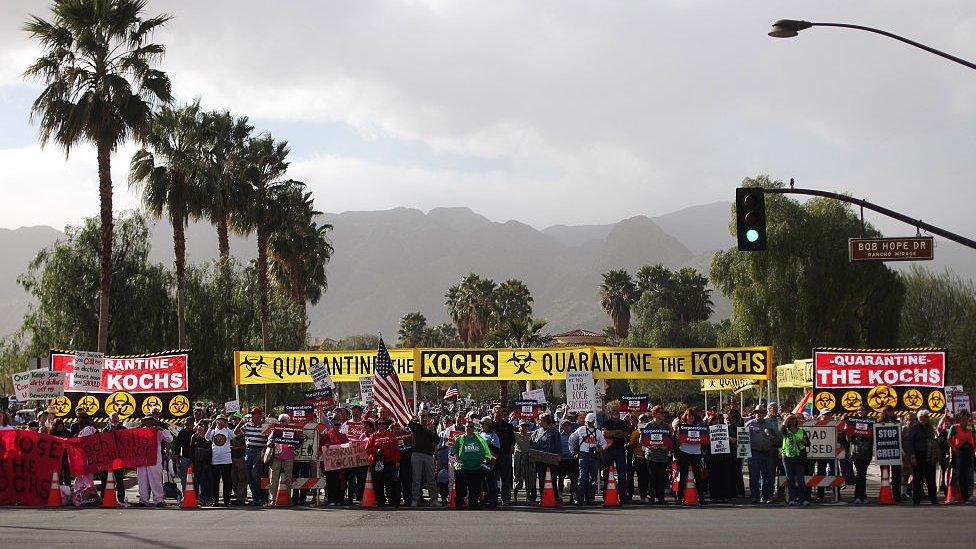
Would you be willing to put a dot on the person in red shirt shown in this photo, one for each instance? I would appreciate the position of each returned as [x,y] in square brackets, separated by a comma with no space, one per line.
[383,451]
[334,479]
[962,445]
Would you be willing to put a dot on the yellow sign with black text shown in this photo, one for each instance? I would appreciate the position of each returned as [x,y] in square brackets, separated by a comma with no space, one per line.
[259,367]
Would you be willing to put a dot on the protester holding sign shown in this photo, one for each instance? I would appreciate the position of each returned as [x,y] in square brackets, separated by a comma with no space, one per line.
[150,477]
[962,444]
[282,460]
[473,456]
[219,436]
[657,440]
[692,436]
[719,461]
[383,450]
[617,433]
[888,416]
[793,448]
[639,463]
[860,433]
[114,424]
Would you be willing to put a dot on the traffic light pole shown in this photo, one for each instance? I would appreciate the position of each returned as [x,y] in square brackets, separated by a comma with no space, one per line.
[968,242]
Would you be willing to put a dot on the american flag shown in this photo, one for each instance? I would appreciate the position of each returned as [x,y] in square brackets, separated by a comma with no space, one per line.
[387,391]
[452,392]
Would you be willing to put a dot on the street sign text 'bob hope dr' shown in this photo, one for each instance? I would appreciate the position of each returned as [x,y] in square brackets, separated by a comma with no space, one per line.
[892,249]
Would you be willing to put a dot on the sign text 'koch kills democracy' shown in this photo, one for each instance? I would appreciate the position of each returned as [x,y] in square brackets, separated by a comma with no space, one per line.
[165,373]
[861,369]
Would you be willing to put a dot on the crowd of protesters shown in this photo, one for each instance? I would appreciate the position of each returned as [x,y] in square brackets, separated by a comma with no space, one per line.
[485,456]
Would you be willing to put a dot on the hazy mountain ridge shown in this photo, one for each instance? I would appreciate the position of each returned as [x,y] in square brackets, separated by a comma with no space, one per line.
[391,262]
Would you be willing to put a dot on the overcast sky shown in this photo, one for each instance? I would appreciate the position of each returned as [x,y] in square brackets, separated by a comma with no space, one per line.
[548,111]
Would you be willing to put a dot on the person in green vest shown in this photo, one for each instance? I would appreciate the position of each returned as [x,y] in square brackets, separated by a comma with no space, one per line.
[793,449]
[472,457]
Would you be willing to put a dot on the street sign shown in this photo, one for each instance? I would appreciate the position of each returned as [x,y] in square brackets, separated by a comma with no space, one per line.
[915,248]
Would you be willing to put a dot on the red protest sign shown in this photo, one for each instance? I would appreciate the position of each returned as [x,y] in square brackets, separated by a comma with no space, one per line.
[27,463]
[526,409]
[633,403]
[121,449]
[692,434]
[165,373]
[867,369]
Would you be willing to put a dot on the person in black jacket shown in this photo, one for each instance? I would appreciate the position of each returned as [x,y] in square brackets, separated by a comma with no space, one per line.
[504,465]
[422,459]
[919,444]
[546,439]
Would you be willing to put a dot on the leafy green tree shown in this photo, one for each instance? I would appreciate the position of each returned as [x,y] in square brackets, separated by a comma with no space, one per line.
[940,311]
[803,292]
[170,172]
[617,294]
[63,283]
[100,87]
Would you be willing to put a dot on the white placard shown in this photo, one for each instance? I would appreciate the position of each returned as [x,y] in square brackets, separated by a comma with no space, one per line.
[22,381]
[718,437]
[87,374]
[960,401]
[538,395]
[366,390]
[47,385]
[580,392]
[320,376]
[232,406]
[823,441]
[743,442]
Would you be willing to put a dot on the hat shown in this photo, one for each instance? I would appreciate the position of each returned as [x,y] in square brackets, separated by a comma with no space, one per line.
[923,413]
[486,419]
[284,417]
[590,417]
[236,415]
[221,416]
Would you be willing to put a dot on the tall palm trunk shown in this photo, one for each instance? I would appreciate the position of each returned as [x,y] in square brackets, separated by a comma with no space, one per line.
[503,392]
[223,238]
[179,247]
[263,291]
[105,256]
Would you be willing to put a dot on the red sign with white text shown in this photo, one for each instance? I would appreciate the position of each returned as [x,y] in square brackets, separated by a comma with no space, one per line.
[145,374]
[866,369]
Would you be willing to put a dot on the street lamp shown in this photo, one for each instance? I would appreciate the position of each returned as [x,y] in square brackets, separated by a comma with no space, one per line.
[788,28]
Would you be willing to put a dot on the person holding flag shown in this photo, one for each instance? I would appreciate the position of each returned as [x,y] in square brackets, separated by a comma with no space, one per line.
[387,391]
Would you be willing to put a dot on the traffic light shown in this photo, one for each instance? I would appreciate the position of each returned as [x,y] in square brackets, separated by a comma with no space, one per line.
[750,219]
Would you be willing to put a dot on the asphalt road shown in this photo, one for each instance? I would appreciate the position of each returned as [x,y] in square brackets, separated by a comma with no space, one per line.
[821,527]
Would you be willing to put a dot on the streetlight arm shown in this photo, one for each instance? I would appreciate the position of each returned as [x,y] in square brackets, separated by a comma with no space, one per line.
[900,39]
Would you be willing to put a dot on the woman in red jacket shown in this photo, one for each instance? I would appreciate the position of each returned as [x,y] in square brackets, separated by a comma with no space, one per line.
[962,445]
[334,479]
[383,450]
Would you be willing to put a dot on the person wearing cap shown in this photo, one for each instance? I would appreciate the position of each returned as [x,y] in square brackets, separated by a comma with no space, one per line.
[568,463]
[491,474]
[658,457]
[639,462]
[825,466]
[523,465]
[333,436]
[860,434]
[219,434]
[762,441]
[587,443]
[472,457]
[921,445]
[961,449]
[238,467]
[150,477]
[617,433]
[256,440]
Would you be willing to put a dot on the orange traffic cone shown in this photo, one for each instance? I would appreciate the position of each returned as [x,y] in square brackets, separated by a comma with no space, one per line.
[54,495]
[611,498]
[283,496]
[953,494]
[369,497]
[691,492]
[548,492]
[190,494]
[674,477]
[452,502]
[110,499]
[886,496]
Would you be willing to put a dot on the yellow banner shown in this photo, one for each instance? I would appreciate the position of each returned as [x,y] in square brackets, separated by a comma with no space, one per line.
[259,367]
[604,362]
[797,375]
[729,384]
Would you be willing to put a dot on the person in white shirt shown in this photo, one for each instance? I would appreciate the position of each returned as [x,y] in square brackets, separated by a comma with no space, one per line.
[219,436]
[586,443]
[150,477]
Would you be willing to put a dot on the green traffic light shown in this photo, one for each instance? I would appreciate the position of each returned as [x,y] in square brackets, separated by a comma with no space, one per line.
[752,235]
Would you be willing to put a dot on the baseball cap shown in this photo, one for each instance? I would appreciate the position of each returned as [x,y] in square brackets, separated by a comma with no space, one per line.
[590,417]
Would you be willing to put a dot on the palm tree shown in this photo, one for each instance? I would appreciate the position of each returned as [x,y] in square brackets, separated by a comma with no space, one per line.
[512,301]
[617,294]
[471,305]
[265,161]
[693,299]
[516,333]
[228,138]
[101,87]
[298,247]
[169,170]
[413,330]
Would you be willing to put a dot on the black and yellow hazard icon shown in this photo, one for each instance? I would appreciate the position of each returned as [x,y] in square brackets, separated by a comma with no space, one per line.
[913,399]
[120,402]
[825,400]
[152,401]
[179,405]
[882,396]
[61,406]
[851,400]
[936,400]
[89,404]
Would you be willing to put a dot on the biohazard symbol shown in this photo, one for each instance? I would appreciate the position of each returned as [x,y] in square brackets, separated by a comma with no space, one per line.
[521,362]
[120,402]
[882,396]
[913,399]
[89,404]
[61,406]
[825,400]
[254,366]
[179,405]
[851,400]
[151,402]
[936,400]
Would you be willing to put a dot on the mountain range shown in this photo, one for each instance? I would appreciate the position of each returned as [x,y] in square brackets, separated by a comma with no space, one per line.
[392,262]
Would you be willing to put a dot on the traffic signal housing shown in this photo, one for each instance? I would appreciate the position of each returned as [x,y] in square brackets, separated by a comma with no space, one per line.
[750,219]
